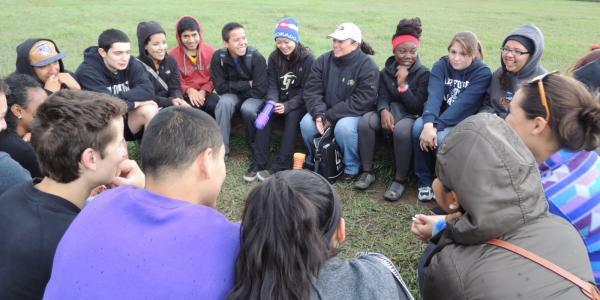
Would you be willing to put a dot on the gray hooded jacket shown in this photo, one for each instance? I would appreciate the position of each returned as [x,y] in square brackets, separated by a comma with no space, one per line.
[499,188]
[494,101]
[366,276]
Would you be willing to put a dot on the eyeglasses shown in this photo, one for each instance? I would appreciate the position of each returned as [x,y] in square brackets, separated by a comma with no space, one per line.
[540,83]
[516,52]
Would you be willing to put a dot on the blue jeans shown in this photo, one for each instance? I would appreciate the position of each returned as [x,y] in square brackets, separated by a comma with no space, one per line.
[346,136]
[425,161]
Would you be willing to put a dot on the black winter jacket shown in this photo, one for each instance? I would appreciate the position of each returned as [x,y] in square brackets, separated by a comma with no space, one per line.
[233,78]
[131,84]
[168,70]
[341,87]
[410,102]
[288,87]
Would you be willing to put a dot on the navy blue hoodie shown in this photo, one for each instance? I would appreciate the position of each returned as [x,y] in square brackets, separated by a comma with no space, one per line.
[131,84]
[455,95]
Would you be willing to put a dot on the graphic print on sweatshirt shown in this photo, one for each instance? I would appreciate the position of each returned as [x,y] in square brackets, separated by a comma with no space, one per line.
[119,88]
[453,88]
[287,80]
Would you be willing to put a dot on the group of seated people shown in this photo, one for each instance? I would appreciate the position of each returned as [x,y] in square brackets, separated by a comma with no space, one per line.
[506,155]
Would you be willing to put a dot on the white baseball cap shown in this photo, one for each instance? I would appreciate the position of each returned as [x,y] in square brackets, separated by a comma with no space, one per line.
[347,31]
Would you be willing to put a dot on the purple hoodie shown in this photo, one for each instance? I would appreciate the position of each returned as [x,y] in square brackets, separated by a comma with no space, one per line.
[133,244]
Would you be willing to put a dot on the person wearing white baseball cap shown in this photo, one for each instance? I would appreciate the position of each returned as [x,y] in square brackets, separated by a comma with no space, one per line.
[347,31]
[341,88]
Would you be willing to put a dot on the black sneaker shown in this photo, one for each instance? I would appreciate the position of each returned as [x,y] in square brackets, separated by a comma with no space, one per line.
[308,166]
[364,181]
[251,175]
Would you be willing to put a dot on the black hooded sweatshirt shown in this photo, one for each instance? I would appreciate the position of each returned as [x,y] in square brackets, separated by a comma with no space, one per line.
[410,102]
[168,70]
[339,87]
[131,84]
[23,64]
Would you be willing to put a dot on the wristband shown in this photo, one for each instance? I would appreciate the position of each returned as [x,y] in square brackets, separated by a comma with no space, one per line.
[403,89]
[439,226]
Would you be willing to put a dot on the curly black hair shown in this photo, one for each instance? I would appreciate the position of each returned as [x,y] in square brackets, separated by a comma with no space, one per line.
[409,26]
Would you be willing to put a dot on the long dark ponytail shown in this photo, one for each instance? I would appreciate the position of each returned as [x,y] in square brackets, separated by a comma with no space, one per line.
[366,48]
[286,228]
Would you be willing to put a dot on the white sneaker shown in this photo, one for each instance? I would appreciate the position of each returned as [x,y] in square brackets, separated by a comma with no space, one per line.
[425,194]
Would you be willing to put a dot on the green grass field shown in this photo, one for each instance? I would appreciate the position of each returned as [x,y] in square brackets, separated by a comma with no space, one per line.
[373,224]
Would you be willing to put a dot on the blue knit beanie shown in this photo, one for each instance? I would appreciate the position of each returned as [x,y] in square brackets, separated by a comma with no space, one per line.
[287,28]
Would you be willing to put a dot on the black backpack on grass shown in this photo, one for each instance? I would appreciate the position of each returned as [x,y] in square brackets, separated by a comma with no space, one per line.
[328,156]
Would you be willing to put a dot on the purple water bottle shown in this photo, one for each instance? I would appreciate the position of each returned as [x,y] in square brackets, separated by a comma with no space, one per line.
[264,115]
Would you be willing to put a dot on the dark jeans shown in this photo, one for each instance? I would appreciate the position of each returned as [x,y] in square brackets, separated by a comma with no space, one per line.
[425,161]
[369,124]
[260,146]
[209,104]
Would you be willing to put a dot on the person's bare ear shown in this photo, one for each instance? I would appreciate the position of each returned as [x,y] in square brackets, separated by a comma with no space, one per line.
[206,163]
[89,159]
[17,110]
[539,124]
[102,52]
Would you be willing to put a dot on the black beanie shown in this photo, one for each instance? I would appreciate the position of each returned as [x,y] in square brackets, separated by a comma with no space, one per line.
[526,42]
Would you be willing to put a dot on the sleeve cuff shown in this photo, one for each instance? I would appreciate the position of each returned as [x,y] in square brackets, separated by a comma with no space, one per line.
[428,119]
[439,227]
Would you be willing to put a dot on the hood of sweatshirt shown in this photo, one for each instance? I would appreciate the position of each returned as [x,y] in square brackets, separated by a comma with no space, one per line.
[23,65]
[144,31]
[534,65]
[179,42]
[92,59]
[495,177]
[589,75]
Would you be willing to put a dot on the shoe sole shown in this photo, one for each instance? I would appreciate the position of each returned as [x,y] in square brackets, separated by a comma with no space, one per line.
[425,199]
[249,179]
[393,199]
[362,187]
[261,179]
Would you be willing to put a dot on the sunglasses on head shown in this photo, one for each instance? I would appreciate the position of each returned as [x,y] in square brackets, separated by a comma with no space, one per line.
[540,83]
